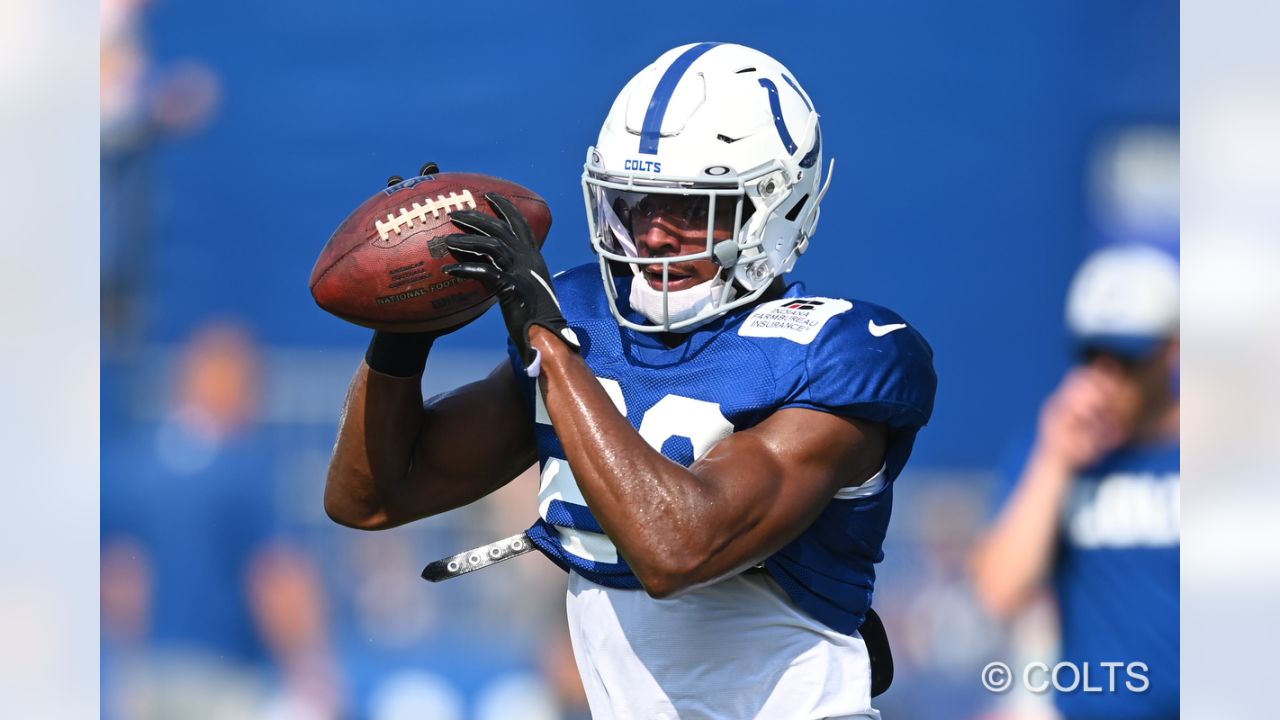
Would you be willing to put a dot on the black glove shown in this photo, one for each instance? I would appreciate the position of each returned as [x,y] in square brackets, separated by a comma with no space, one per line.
[509,264]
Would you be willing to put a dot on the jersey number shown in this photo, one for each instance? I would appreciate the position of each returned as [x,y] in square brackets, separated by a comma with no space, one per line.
[699,421]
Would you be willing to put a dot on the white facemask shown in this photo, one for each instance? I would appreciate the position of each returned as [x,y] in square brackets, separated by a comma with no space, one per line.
[681,304]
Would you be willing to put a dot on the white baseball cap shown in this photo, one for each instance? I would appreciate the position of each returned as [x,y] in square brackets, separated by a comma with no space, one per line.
[1124,299]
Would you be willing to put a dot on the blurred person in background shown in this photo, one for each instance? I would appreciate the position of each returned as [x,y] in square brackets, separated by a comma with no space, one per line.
[140,104]
[206,608]
[1091,505]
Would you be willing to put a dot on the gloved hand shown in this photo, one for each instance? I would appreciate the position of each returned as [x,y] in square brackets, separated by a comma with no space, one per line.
[508,263]
[428,168]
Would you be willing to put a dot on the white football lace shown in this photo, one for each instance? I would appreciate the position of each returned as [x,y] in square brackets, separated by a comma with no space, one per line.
[398,223]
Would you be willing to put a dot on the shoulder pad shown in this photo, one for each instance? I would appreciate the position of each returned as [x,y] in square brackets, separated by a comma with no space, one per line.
[868,362]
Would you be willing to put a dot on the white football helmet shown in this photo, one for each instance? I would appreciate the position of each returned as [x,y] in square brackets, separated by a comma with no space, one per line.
[729,130]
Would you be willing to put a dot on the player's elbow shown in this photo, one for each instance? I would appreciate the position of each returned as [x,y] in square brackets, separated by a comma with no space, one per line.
[344,511]
[672,576]
[357,521]
[661,587]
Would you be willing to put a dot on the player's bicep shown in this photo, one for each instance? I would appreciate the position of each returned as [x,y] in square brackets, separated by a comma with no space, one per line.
[474,439]
[836,449]
[773,480]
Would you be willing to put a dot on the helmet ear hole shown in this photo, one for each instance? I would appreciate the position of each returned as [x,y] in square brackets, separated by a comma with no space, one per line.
[794,212]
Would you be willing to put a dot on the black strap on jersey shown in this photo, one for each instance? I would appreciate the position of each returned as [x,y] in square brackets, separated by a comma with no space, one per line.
[481,557]
[877,641]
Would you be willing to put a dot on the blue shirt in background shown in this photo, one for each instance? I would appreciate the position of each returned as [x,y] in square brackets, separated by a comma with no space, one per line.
[1116,580]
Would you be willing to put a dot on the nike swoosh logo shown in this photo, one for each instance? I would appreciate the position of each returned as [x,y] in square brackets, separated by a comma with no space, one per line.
[882,330]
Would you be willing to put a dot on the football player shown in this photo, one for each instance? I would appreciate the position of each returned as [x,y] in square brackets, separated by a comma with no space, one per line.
[717,447]
[1090,505]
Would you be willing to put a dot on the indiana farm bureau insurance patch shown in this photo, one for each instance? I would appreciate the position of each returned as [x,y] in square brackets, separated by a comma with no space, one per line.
[796,319]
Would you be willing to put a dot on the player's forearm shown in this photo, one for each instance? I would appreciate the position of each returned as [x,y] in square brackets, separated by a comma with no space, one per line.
[379,425]
[1013,558]
[653,509]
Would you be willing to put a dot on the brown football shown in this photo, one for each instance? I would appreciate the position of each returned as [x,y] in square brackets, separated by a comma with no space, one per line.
[382,266]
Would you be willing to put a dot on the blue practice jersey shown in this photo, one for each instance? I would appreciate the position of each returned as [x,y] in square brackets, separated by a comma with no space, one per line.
[1116,581]
[832,355]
